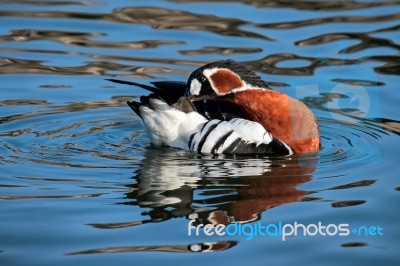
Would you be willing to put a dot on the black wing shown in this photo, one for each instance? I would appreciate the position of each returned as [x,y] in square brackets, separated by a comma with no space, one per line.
[172,92]
[221,109]
[169,91]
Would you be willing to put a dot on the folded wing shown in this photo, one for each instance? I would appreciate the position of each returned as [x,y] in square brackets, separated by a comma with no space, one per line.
[172,91]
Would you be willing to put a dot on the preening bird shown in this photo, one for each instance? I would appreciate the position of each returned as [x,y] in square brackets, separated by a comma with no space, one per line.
[225,108]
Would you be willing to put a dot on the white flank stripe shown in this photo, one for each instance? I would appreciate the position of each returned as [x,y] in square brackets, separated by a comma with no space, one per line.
[234,136]
[214,136]
[288,148]
[250,131]
[199,135]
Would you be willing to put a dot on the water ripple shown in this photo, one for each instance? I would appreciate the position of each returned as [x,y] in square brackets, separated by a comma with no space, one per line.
[80,39]
[335,19]
[306,4]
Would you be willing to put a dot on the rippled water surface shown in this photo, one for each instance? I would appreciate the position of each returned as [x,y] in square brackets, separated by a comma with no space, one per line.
[80,184]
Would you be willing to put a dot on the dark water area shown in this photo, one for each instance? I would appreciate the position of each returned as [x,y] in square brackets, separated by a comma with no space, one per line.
[80,183]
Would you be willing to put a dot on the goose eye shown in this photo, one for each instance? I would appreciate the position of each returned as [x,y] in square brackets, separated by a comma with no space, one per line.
[201,78]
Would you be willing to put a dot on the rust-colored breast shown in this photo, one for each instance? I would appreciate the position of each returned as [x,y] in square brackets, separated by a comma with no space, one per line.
[287,119]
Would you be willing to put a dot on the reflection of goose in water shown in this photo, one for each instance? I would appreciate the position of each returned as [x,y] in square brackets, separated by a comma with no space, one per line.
[217,190]
[196,247]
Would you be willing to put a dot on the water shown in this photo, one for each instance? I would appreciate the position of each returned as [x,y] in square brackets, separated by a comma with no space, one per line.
[80,183]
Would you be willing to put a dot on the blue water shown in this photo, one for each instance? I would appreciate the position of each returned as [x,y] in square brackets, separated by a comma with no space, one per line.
[81,184]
